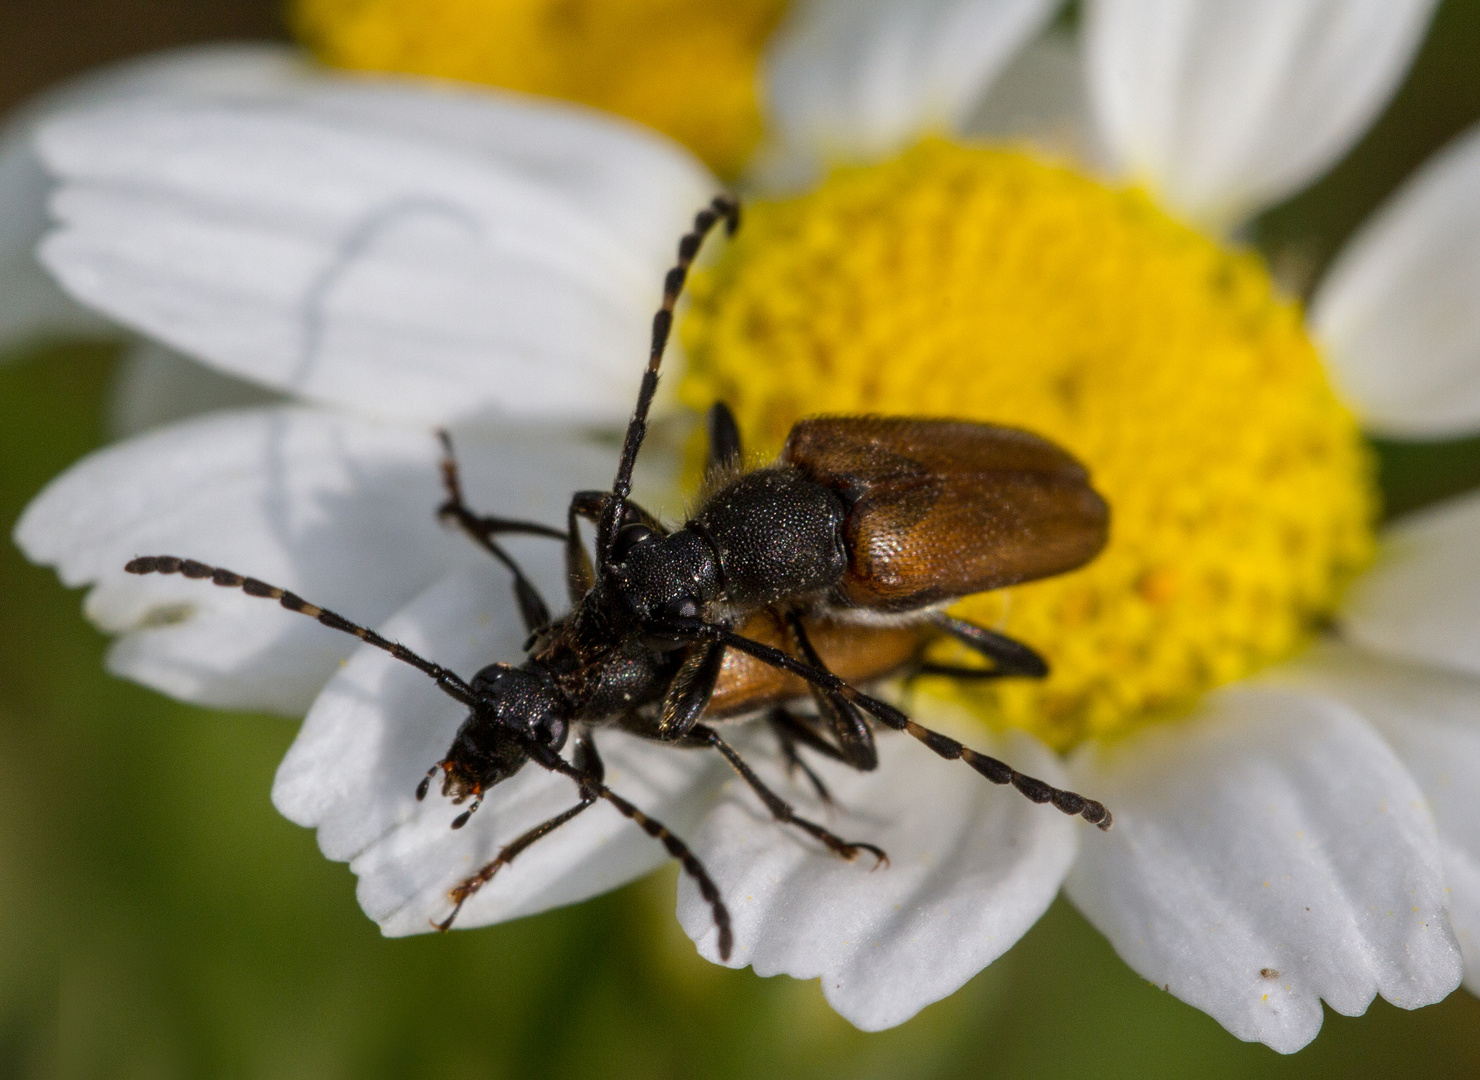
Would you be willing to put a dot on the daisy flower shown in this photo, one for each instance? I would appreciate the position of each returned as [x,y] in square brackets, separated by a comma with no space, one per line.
[1295,810]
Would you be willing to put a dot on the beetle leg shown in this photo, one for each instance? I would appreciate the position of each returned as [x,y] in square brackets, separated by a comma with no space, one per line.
[690,690]
[675,847]
[724,443]
[780,809]
[579,577]
[460,895]
[790,731]
[855,739]
[588,764]
[591,504]
[1008,656]
[483,529]
[999,772]
[479,525]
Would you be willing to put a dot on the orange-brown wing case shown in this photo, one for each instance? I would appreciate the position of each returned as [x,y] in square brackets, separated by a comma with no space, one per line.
[859,654]
[946,508]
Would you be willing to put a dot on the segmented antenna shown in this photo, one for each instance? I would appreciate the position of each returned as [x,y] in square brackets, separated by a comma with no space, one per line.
[659,832]
[723,206]
[999,772]
[170,564]
[457,688]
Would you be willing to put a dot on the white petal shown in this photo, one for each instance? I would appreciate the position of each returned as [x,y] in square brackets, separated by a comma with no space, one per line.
[1268,852]
[1224,108]
[639,187]
[32,304]
[971,868]
[851,79]
[1422,599]
[1431,718]
[1042,98]
[1399,312]
[358,247]
[337,510]
[155,386]
[379,725]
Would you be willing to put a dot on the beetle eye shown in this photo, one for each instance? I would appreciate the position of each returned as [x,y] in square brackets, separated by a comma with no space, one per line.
[629,538]
[551,732]
[685,607]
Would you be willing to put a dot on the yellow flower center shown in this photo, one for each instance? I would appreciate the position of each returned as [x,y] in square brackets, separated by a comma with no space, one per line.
[685,67]
[986,285]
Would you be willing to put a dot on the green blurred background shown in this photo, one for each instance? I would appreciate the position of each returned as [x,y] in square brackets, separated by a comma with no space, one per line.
[159,919]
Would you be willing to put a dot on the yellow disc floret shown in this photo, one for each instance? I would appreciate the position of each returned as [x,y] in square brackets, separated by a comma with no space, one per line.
[987,285]
[685,67]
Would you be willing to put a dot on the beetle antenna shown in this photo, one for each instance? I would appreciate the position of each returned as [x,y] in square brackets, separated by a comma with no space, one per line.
[722,206]
[658,831]
[686,858]
[999,772]
[169,564]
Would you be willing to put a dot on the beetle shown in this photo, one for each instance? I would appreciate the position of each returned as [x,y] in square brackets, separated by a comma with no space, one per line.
[801,579]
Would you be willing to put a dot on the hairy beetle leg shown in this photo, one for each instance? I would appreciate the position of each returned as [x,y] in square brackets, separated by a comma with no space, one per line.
[790,733]
[460,895]
[999,772]
[780,809]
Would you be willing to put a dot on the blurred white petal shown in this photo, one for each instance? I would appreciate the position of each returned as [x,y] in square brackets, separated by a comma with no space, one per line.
[860,78]
[154,386]
[335,248]
[1224,108]
[640,187]
[971,867]
[1269,852]
[1042,98]
[380,724]
[338,510]
[1399,311]
[1422,599]
[1431,718]
[31,305]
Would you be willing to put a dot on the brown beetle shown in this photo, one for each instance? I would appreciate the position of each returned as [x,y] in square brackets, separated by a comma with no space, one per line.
[802,579]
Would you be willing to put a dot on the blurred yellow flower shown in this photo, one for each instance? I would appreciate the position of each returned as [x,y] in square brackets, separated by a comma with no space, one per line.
[688,69]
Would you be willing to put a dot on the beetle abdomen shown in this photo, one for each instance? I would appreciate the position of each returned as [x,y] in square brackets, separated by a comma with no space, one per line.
[944,508]
[855,653]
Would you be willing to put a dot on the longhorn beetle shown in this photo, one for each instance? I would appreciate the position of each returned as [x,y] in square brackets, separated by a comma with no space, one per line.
[803,578]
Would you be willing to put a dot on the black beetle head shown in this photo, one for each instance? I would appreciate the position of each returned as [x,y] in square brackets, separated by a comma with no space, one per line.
[514,707]
[663,578]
